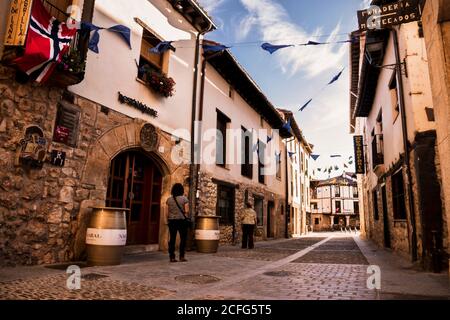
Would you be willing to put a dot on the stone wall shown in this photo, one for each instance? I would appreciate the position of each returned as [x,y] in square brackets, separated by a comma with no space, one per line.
[44,212]
[207,202]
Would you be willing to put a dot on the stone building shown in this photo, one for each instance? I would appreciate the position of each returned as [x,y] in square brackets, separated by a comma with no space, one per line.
[402,180]
[299,152]
[436,27]
[334,203]
[242,156]
[100,135]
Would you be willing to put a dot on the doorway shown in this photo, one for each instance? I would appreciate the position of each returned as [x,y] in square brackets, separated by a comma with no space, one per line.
[270,206]
[135,183]
[387,233]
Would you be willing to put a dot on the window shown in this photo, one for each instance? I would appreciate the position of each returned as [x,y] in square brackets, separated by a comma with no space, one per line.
[246,166]
[355,192]
[221,139]
[338,206]
[314,206]
[225,204]
[337,192]
[259,211]
[278,163]
[296,184]
[67,123]
[261,160]
[377,143]
[398,196]
[394,96]
[316,221]
[355,206]
[375,205]
[148,60]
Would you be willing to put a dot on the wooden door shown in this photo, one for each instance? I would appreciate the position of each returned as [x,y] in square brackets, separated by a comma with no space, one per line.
[135,183]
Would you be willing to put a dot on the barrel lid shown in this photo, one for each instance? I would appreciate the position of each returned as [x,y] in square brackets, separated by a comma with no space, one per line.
[208,217]
[111,208]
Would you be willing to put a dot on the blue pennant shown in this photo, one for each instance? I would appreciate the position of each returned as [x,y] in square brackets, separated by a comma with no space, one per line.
[162,47]
[216,48]
[319,169]
[336,77]
[305,105]
[123,31]
[94,38]
[291,154]
[313,43]
[269,138]
[287,126]
[335,156]
[315,156]
[272,48]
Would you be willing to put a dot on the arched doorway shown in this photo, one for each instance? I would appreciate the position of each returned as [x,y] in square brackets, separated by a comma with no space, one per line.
[135,182]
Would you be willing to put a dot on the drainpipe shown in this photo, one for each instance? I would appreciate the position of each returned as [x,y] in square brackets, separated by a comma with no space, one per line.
[406,146]
[192,168]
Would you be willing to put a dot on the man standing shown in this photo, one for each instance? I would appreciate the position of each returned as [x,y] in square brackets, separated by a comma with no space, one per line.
[248,221]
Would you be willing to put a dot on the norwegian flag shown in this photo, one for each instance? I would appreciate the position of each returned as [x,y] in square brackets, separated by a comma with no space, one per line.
[48,40]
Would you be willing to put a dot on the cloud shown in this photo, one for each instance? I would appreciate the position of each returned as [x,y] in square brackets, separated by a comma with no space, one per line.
[273,23]
[211,5]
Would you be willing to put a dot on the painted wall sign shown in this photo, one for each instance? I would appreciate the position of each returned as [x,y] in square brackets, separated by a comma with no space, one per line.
[32,149]
[138,105]
[106,237]
[388,15]
[360,164]
[17,22]
[58,158]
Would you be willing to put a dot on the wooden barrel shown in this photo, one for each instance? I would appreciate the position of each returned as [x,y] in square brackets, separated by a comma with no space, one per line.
[207,234]
[106,236]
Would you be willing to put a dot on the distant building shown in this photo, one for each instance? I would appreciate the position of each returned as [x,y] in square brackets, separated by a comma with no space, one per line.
[334,203]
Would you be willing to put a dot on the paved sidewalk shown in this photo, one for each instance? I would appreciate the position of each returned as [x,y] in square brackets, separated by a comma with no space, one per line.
[318,266]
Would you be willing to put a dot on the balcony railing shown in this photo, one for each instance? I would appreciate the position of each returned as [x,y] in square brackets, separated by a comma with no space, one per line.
[377,150]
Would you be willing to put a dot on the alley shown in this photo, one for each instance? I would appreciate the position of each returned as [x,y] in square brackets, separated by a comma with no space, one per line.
[319,266]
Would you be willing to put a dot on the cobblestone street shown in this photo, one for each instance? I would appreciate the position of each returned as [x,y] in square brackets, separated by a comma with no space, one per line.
[317,267]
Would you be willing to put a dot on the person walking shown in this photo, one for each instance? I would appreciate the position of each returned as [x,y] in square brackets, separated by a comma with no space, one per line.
[248,221]
[178,221]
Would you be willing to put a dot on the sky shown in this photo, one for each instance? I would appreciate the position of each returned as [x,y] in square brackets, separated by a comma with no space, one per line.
[292,76]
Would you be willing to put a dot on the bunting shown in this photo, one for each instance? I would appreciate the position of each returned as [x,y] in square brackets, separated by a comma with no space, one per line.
[123,31]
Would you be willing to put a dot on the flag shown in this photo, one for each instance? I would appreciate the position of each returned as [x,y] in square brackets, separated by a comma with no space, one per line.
[48,40]
[336,168]
[319,169]
[269,138]
[214,48]
[315,156]
[313,43]
[305,105]
[272,48]
[345,166]
[336,77]
[291,154]
[287,126]
[123,31]
[335,156]
[162,47]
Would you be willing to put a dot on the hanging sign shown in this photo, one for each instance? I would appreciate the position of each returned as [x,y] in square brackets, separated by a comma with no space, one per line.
[58,158]
[358,144]
[17,22]
[388,15]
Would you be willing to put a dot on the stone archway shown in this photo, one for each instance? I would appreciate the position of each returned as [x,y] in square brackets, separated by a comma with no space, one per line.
[96,171]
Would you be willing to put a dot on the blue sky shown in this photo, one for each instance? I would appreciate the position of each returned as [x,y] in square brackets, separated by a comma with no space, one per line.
[290,77]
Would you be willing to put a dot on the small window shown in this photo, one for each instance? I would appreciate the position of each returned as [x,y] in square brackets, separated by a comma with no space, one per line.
[67,124]
[337,192]
[225,204]
[375,205]
[356,207]
[338,206]
[398,196]
[278,163]
[149,61]
[231,92]
[316,221]
[261,161]
[221,139]
[246,152]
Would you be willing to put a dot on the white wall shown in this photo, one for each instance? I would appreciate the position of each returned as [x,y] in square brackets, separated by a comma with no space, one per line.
[241,114]
[114,68]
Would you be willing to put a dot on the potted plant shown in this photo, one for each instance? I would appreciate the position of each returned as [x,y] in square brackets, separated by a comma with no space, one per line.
[158,81]
[69,71]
